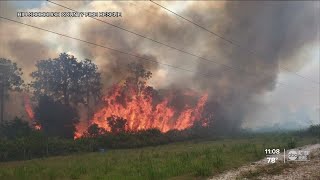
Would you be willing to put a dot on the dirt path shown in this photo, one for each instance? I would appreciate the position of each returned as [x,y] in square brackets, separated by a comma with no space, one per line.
[291,170]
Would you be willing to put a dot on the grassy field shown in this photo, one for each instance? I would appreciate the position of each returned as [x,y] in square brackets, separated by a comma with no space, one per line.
[185,160]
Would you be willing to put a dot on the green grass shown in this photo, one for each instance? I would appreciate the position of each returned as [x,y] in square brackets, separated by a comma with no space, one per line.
[186,160]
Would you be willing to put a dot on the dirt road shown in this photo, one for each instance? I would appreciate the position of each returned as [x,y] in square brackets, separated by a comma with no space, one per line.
[291,170]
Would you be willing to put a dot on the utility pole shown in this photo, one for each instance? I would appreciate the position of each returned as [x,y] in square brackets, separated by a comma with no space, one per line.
[3,83]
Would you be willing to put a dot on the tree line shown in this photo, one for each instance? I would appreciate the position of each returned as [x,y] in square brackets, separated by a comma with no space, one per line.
[58,86]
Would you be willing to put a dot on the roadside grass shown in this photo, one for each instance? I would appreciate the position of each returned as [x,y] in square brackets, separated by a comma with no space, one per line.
[184,160]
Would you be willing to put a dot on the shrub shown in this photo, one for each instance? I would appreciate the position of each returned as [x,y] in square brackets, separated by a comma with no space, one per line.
[314,130]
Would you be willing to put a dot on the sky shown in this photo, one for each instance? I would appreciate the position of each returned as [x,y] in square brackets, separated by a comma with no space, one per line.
[284,33]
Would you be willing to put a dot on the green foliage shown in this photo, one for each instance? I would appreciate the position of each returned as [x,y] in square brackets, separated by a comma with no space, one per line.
[90,81]
[10,79]
[17,128]
[314,130]
[27,147]
[292,143]
[55,118]
[94,131]
[59,85]
[57,78]
[12,74]
[66,79]
[138,79]
[117,124]
[35,144]
[178,160]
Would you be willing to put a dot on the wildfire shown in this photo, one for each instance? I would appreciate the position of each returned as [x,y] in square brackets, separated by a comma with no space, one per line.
[28,108]
[29,111]
[142,111]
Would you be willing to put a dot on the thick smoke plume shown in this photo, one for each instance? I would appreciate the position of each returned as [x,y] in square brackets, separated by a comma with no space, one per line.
[275,31]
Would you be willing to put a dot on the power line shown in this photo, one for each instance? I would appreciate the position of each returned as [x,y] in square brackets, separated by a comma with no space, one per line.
[120,51]
[161,43]
[145,37]
[231,41]
[106,47]
[150,12]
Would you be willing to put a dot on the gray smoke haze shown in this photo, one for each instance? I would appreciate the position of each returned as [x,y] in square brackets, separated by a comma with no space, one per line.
[276,31]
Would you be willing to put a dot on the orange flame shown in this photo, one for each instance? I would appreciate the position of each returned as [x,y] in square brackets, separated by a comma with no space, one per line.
[28,108]
[143,112]
[30,113]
